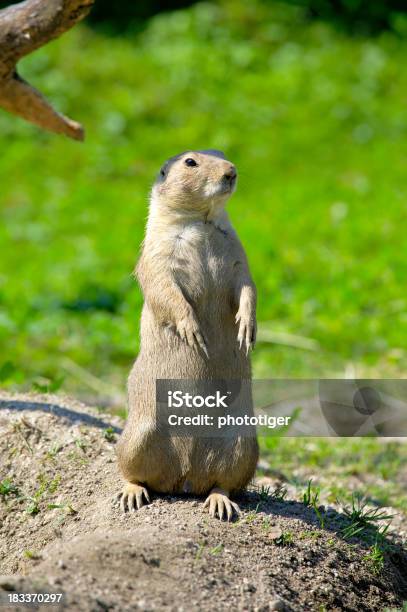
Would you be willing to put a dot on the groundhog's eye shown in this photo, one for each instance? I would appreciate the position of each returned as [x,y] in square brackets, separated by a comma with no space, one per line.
[190,162]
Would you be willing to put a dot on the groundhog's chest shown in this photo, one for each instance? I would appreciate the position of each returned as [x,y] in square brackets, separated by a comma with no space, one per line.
[204,261]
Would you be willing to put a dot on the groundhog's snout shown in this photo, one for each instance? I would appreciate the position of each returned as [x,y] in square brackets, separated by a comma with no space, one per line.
[230,174]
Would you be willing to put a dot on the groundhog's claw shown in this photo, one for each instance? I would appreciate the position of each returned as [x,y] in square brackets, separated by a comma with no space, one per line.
[198,340]
[133,497]
[247,331]
[189,332]
[220,504]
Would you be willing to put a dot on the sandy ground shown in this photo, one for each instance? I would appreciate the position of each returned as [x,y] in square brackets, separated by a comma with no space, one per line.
[61,531]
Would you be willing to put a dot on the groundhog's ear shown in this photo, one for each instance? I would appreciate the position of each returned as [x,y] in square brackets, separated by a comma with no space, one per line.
[214,152]
[162,175]
[165,168]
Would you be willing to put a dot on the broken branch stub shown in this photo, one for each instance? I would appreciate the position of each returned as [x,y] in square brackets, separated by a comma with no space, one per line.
[25,27]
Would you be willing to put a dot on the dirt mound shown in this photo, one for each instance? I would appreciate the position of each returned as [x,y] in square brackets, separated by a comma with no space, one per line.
[62,532]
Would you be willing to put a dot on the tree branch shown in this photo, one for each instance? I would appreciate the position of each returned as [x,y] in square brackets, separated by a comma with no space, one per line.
[25,27]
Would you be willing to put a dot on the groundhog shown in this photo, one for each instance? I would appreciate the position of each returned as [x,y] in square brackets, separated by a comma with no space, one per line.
[198,322]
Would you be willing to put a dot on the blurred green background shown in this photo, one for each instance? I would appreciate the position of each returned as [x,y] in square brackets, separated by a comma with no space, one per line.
[310,105]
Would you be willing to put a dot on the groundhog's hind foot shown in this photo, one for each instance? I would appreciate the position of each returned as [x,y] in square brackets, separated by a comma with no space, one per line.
[133,497]
[220,505]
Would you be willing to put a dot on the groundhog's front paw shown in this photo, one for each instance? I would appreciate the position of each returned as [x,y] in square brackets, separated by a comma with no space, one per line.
[247,330]
[189,332]
[220,505]
[133,497]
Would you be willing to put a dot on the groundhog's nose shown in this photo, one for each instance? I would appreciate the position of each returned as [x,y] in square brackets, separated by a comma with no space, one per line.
[230,173]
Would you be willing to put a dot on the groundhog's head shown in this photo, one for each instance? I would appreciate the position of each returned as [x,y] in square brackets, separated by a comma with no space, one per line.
[195,180]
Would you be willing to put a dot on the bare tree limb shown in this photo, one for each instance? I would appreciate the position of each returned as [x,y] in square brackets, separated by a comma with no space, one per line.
[25,27]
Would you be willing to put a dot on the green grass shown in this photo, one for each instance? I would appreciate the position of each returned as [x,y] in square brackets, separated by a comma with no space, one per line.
[375,559]
[363,519]
[342,469]
[315,121]
[311,495]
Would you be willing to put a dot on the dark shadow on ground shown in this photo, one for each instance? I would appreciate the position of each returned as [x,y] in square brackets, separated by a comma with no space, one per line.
[66,413]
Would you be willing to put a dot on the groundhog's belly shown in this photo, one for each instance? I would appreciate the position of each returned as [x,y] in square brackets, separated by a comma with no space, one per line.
[192,465]
[165,355]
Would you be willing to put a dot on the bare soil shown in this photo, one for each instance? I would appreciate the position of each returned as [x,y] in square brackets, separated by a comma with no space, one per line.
[62,532]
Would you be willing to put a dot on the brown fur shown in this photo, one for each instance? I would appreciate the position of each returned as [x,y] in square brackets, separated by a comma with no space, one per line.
[199,298]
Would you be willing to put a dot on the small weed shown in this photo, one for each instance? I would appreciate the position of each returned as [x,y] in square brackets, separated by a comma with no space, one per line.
[310,498]
[362,519]
[54,484]
[7,488]
[216,550]
[279,494]
[44,484]
[109,434]
[264,493]
[252,514]
[199,552]
[320,516]
[79,458]
[286,539]
[53,451]
[29,554]
[250,517]
[311,495]
[67,507]
[45,487]
[81,444]
[266,525]
[33,507]
[375,559]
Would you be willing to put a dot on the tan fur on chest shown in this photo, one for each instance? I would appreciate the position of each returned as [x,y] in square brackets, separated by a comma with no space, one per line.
[203,261]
